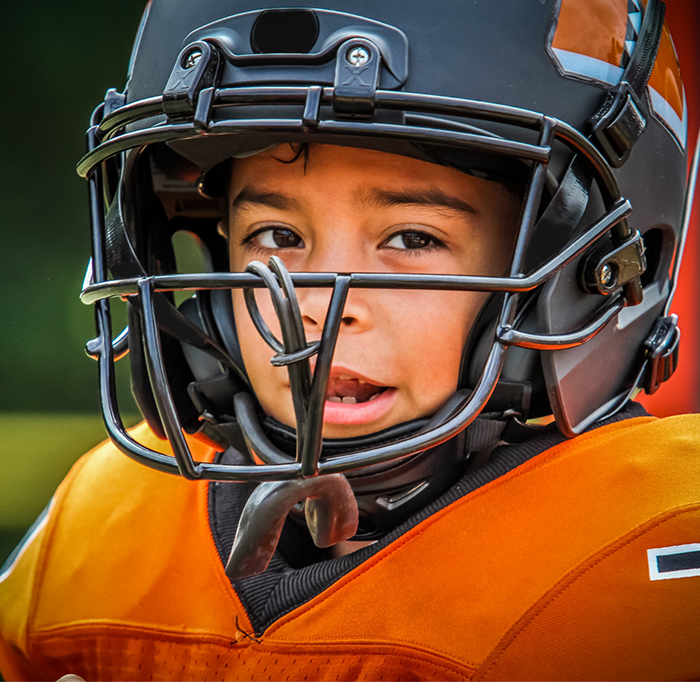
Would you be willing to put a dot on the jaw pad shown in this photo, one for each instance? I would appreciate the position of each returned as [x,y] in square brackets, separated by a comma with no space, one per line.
[331,515]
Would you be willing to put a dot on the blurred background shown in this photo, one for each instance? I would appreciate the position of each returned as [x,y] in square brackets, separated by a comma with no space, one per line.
[64,57]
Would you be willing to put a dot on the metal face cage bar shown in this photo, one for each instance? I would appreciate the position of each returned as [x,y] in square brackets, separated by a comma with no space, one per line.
[107,137]
[110,137]
[370,280]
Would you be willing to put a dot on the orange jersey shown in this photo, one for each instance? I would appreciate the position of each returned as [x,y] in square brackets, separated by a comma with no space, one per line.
[583,563]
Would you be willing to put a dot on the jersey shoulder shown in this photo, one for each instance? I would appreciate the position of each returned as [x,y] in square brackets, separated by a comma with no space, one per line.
[629,608]
[108,554]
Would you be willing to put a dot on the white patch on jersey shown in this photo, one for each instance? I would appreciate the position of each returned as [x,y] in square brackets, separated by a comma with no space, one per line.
[676,551]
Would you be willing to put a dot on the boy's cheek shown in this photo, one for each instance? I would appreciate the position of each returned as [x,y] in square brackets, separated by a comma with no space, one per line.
[256,353]
[245,328]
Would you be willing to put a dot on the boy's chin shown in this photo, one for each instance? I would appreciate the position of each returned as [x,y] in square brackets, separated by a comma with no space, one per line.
[338,431]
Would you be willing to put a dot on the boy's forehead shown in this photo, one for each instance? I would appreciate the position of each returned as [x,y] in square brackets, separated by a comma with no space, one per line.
[371,177]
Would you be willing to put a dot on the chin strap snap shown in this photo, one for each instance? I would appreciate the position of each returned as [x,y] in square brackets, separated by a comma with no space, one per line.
[662,353]
[604,273]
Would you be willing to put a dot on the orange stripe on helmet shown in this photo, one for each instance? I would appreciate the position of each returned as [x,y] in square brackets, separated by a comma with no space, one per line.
[666,89]
[593,28]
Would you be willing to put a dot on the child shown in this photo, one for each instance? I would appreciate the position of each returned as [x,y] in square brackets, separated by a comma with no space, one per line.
[402,383]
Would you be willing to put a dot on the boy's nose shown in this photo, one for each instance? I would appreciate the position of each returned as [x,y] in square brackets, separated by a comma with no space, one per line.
[313,304]
[339,254]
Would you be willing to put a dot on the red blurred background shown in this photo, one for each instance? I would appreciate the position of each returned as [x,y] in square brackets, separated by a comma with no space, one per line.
[682,392]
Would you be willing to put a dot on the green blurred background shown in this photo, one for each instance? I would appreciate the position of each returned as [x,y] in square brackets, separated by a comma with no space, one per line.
[60,59]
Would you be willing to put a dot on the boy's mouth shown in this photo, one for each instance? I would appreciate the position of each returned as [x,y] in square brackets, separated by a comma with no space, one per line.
[351,390]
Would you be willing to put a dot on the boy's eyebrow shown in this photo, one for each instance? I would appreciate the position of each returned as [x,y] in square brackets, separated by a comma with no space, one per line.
[248,195]
[372,197]
[421,197]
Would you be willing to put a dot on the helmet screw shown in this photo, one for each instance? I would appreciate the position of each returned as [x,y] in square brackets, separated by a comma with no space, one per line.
[358,56]
[191,58]
[606,275]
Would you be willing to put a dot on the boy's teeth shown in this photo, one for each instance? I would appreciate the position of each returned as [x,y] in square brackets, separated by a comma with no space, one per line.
[350,400]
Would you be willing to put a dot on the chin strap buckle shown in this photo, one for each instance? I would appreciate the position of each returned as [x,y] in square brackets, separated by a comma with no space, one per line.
[662,353]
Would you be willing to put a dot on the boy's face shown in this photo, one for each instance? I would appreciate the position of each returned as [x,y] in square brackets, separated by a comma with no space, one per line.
[352,210]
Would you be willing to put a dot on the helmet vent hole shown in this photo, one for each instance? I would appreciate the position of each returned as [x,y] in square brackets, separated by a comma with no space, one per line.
[653,241]
[285,30]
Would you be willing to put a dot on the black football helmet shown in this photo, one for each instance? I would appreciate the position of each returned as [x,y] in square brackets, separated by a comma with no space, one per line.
[592,135]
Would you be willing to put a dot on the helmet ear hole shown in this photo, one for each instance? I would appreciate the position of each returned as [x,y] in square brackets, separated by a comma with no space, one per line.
[168,239]
[657,243]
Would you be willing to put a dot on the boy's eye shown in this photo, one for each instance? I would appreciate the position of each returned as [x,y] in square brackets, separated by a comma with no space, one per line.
[410,239]
[276,238]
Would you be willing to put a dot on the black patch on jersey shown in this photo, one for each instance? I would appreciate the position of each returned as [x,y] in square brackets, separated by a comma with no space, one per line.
[299,570]
[682,561]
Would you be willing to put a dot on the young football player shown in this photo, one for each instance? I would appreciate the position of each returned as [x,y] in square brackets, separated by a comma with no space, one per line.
[438,252]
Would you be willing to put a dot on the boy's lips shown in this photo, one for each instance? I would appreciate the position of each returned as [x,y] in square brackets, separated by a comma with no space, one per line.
[355,399]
